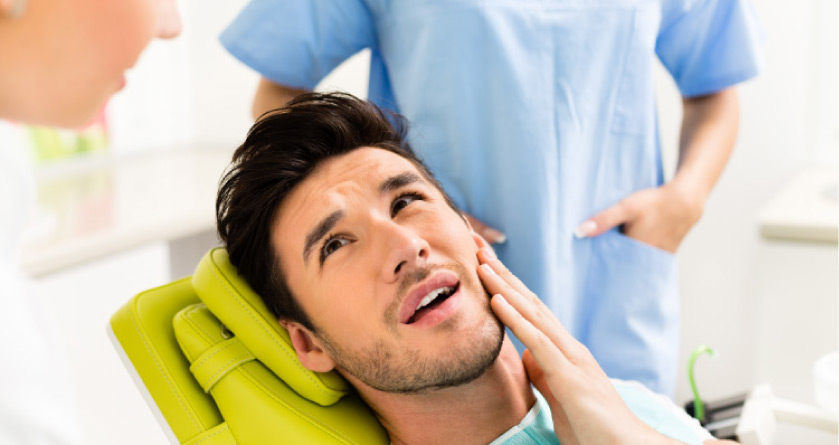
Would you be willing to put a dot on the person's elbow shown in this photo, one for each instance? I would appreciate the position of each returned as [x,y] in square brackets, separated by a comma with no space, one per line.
[270,95]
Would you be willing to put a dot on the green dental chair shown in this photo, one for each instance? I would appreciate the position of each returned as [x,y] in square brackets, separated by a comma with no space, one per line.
[217,368]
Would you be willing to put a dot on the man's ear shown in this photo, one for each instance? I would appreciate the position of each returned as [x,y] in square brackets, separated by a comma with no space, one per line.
[309,348]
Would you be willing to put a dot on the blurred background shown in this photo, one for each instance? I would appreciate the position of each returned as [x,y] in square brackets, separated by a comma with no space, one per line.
[127,205]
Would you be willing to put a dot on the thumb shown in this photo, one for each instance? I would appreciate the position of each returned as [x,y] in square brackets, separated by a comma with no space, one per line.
[562,426]
[604,221]
[536,376]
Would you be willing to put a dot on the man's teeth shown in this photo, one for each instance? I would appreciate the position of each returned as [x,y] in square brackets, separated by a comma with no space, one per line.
[433,295]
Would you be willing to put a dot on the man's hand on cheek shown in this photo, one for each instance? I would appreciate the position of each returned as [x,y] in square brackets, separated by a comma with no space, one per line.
[585,406]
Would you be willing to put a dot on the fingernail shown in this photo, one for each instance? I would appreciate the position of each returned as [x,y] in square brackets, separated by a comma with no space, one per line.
[487,269]
[488,251]
[585,229]
[495,236]
[500,298]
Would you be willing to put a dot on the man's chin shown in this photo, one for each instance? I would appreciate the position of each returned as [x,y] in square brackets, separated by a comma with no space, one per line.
[467,362]
[459,363]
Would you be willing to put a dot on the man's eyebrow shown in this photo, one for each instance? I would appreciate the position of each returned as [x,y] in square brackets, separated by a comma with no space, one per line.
[325,225]
[320,230]
[399,181]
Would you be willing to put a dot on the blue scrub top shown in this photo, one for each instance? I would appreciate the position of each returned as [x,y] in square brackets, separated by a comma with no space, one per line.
[534,115]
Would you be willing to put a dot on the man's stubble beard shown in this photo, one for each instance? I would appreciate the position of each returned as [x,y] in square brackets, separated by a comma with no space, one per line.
[407,372]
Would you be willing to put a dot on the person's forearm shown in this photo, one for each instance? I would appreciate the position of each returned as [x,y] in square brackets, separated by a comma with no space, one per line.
[709,131]
[270,95]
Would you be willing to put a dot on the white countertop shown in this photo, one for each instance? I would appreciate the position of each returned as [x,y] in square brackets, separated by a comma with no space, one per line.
[805,210]
[100,209]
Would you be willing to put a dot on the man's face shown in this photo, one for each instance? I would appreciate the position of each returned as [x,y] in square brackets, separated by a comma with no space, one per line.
[364,241]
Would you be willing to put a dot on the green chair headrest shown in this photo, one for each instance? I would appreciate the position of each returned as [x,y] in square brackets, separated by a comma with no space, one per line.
[231,299]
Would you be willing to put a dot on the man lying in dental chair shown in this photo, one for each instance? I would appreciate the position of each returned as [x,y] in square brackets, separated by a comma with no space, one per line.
[364,259]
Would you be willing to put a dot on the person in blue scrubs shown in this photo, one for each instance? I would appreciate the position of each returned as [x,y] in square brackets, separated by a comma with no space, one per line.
[539,118]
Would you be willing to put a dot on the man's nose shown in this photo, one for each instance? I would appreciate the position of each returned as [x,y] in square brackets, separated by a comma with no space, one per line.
[168,20]
[405,250]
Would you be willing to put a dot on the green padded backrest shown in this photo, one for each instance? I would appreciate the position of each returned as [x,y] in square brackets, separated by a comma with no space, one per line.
[242,311]
[145,339]
[257,406]
[206,385]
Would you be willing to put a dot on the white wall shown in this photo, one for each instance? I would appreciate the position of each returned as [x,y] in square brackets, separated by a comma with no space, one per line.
[769,308]
[190,92]
[221,87]
[186,92]
[82,299]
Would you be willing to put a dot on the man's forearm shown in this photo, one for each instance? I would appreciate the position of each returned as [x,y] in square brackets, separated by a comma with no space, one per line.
[270,95]
[709,131]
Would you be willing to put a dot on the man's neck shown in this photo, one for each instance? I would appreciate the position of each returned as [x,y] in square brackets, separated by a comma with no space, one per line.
[476,412]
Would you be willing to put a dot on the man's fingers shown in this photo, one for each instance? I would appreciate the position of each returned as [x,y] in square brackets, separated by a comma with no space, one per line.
[487,256]
[534,372]
[547,354]
[537,358]
[500,280]
[483,245]
[605,220]
[497,279]
[526,304]
[537,376]
[492,235]
[562,426]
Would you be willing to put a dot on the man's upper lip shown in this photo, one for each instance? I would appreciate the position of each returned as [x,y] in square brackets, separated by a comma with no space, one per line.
[440,278]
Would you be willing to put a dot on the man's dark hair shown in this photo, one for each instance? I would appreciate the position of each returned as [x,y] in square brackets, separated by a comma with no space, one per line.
[282,149]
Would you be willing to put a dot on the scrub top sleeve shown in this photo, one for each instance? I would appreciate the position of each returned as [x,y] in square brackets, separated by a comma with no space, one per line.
[296,43]
[709,45]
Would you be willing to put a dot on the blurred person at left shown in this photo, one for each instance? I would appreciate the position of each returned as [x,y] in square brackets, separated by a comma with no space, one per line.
[60,61]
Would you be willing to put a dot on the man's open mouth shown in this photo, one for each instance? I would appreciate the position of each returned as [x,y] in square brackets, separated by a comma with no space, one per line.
[428,297]
[432,300]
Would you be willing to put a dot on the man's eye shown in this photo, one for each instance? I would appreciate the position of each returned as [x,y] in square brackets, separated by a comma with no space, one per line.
[331,245]
[402,201]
